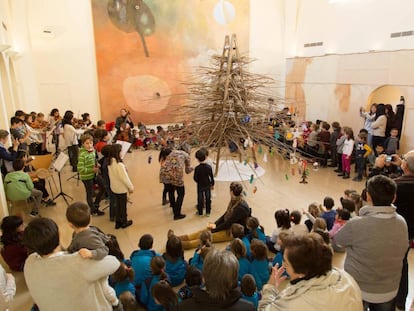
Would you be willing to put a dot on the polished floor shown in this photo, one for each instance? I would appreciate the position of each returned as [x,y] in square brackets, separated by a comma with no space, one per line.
[278,188]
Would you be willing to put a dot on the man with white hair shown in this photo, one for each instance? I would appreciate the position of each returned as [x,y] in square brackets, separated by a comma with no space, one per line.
[405,207]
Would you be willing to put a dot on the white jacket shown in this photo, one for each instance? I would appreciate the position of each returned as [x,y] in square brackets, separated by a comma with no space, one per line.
[379,126]
[118,177]
[335,291]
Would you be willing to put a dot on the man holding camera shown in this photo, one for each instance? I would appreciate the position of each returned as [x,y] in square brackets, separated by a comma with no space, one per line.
[405,207]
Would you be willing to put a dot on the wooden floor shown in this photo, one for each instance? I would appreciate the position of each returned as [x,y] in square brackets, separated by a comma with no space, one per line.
[277,189]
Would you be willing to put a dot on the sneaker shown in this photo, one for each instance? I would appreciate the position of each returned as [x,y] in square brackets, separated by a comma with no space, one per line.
[34,214]
[181,216]
[98,213]
[207,214]
[341,174]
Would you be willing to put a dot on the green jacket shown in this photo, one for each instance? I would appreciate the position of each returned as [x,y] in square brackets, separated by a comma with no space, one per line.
[86,164]
[18,186]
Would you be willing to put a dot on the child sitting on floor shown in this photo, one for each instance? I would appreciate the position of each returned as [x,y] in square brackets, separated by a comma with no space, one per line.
[193,277]
[249,290]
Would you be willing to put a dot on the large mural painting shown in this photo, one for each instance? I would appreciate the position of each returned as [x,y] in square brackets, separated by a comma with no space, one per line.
[147,50]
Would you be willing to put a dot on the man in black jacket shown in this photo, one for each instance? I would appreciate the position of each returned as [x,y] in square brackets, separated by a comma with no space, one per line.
[405,207]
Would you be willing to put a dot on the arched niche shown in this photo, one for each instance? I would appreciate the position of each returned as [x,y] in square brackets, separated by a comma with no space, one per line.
[386,94]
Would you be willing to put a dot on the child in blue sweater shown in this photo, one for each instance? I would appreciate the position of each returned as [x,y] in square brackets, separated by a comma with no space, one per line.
[201,252]
[249,290]
[175,264]
[124,287]
[237,231]
[238,248]
[256,231]
[193,277]
[259,263]
[140,260]
[330,214]
[158,274]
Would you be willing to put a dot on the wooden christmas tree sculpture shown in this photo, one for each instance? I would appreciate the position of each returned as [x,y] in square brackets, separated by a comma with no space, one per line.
[228,106]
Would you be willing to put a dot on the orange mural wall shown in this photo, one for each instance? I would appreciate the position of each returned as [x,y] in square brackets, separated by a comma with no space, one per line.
[147,49]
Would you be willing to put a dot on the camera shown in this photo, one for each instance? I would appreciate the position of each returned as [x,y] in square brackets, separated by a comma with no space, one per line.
[388,158]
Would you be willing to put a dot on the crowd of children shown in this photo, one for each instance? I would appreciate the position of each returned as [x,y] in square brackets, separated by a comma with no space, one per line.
[161,281]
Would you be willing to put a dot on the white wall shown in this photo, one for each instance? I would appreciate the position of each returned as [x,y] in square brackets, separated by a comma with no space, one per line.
[353,26]
[267,41]
[57,69]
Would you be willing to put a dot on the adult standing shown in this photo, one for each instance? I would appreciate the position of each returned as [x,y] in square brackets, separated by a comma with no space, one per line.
[369,117]
[71,139]
[59,280]
[378,127]
[389,113]
[172,176]
[399,116]
[314,283]
[378,232]
[403,202]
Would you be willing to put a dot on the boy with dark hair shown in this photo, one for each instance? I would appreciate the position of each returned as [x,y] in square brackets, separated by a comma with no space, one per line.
[70,276]
[19,186]
[141,259]
[6,155]
[329,215]
[89,241]
[203,176]
[87,168]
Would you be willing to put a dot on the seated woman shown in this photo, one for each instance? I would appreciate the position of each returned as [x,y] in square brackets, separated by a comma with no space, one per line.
[237,212]
[314,283]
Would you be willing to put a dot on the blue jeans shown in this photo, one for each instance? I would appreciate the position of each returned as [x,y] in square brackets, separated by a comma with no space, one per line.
[360,165]
[385,306]
[204,199]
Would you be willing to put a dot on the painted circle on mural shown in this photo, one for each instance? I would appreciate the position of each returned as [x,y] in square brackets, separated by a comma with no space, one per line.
[146,93]
[224,12]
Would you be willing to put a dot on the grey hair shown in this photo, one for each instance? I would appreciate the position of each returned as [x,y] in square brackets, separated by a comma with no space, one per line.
[410,161]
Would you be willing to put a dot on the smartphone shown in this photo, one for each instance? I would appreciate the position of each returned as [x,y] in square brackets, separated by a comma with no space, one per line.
[388,158]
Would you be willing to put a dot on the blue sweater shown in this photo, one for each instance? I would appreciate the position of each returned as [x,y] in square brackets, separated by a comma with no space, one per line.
[329,217]
[197,261]
[124,286]
[145,294]
[260,271]
[140,262]
[244,267]
[253,299]
[175,270]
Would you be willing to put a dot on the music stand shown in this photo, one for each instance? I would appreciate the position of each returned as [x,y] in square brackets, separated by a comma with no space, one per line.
[58,166]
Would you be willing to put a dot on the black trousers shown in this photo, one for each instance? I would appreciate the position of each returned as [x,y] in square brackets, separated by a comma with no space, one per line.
[120,209]
[176,202]
[73,152]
